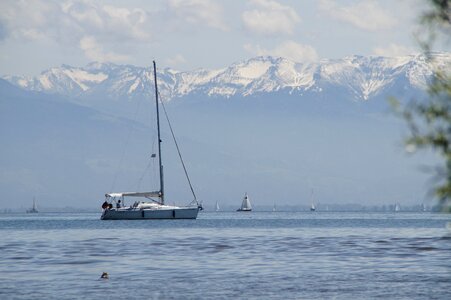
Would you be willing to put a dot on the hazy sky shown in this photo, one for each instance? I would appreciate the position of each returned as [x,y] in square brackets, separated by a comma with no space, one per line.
[189,34]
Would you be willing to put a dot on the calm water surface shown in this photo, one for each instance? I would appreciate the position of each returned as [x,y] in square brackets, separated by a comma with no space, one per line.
[258,255]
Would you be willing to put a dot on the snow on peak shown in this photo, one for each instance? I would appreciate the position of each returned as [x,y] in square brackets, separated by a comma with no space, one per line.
[253,68]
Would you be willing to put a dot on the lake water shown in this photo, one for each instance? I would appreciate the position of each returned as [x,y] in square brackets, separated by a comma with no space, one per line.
[227,255]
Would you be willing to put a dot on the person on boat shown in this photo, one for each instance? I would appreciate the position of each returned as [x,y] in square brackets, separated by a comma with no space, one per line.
[105,205]
[118,204]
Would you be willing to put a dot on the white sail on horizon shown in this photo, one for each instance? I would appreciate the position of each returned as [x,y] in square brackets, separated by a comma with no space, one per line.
[246,204]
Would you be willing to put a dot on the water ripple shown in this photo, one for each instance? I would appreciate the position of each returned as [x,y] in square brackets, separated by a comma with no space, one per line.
[224,256]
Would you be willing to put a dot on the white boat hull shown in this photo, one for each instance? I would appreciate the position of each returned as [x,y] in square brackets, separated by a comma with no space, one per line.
[150,214]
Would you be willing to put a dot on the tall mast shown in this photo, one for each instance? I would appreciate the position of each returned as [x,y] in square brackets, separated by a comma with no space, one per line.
[158,130]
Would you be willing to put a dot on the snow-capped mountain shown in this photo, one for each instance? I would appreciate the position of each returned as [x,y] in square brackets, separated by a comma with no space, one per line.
[285,124]
[361,77]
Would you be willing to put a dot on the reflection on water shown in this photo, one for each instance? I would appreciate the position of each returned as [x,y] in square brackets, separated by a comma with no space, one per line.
[225,255]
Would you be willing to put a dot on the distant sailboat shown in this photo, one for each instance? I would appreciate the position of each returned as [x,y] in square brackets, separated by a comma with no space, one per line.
[312,207]
[217,206]
[423,207]
[397,207]
[246,204]
[34,209]
[274,208]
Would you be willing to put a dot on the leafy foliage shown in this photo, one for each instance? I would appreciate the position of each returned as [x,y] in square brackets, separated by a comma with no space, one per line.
[430,121]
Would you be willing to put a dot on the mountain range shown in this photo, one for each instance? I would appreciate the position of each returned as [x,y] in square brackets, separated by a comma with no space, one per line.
[360,78]
[267,126]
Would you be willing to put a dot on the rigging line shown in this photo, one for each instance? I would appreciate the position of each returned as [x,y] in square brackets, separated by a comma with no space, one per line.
[178,149]
[142,176]
[146,169]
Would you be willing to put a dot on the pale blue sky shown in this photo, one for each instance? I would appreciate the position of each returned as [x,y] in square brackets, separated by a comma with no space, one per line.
[190,34]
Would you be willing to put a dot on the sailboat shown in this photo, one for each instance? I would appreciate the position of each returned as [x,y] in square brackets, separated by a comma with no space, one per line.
[397,207]
[154,206]
[34,209]
[423,207]
[312,207]
[217,206]
[246,204]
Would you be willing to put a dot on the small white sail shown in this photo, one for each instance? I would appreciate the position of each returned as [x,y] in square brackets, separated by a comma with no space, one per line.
[312,207]
[217,206]
[246,204]
[423,207]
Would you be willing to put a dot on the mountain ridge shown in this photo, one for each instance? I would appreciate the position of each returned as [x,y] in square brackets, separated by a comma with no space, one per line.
[266,122]
[361,77]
